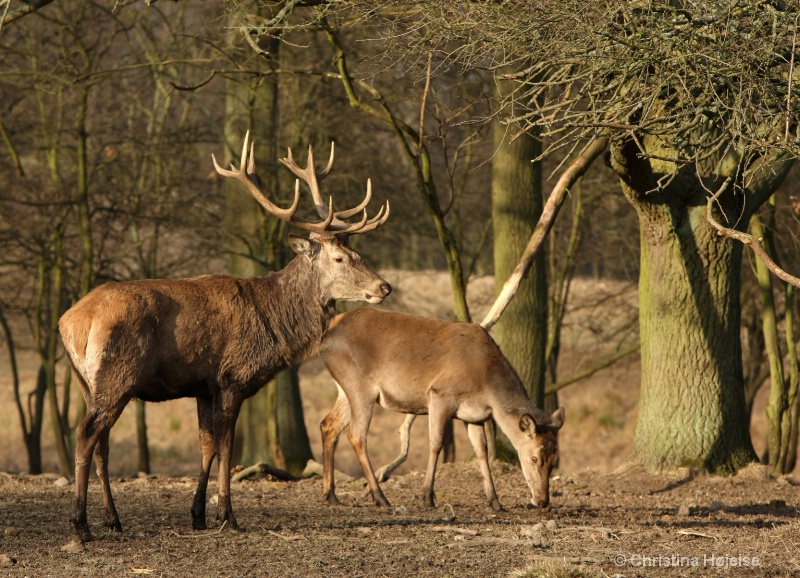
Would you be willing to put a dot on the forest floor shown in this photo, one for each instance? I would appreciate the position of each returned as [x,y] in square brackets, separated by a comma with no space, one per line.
[625,523]
[606,518]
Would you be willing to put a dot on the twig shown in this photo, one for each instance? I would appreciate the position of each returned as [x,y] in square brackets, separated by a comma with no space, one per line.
[264,468]
[604,532]
[698,534]
[455,530]
[195,536]
[286,538]
[398,542]
[484,541]
[607,362]
[28,7]
[452,515]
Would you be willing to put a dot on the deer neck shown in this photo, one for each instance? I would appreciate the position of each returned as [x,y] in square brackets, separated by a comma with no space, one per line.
[294,308]
[509,403]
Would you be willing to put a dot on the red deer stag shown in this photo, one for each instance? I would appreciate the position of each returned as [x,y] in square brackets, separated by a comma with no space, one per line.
[215,338]
[417,365]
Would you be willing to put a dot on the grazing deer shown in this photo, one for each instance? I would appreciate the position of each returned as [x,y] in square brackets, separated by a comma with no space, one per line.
[416,365]
[215,338]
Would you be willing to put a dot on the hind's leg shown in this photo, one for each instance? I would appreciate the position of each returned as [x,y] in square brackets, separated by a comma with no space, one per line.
[385,472]
[360,418]
[477,436]
[331,427]
[439,414]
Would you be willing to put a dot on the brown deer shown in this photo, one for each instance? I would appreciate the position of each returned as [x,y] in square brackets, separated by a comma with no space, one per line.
[416,365]
[215,338]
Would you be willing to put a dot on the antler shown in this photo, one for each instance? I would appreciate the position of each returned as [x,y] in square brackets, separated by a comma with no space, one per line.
[337,226]
[332,223]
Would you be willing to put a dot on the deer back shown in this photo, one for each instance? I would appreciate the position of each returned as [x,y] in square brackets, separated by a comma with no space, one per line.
[176,338]
[400,356]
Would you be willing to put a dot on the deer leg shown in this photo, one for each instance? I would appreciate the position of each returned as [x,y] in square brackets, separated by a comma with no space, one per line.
[331,427]
[226,410]
[477,436]
[360,417]
[437,420]
[385,472]
[92,428]
[205,420]
[101,465]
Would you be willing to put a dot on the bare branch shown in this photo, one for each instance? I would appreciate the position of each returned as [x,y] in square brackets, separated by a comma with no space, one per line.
[549,213]
[749,240]
[29,6]
[602,364]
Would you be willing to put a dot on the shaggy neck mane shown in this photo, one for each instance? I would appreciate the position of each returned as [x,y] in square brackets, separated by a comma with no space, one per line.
[293,309]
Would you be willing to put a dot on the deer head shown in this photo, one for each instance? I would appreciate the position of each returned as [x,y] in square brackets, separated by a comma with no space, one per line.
[342,273]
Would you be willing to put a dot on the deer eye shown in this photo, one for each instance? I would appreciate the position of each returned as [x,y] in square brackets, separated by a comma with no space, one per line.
[339,260]
[534,459]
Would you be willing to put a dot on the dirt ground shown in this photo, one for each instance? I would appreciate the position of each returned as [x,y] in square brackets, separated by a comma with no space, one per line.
[624,523]
[605,518]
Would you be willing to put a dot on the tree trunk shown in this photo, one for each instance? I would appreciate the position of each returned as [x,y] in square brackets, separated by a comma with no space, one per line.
[692,409]
[294,448]
[783,388]
[516,206]
[276,409]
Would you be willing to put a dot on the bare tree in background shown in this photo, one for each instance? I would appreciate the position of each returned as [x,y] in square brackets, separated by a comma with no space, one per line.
[92,121]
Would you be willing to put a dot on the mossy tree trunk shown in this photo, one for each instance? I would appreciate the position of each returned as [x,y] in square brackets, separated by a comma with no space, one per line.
[692,409]
[517,204]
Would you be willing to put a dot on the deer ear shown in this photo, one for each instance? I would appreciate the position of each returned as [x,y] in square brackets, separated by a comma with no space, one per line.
[304,246]
[527,424]
[557,419]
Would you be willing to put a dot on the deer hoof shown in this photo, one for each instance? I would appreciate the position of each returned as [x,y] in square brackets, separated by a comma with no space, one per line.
[496,505]
[114,525]
[331,499]
[382,502]
[230,524]
[84,535]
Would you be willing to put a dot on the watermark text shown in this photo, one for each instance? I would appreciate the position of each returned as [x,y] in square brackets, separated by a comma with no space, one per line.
[720,561]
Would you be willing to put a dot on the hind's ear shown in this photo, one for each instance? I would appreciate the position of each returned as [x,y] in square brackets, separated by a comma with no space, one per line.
[557,419]
[527,424]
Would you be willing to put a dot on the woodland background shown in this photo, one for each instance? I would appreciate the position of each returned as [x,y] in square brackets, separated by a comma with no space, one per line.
[464,115]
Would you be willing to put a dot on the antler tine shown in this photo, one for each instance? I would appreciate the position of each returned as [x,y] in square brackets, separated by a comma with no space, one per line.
[366,225]
[324,173]
[377,220]
[246,174]
[251,165]
[321,228]
[361,206]
[310,177]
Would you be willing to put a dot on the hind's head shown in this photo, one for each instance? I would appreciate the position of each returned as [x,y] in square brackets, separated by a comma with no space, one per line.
[538,452]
